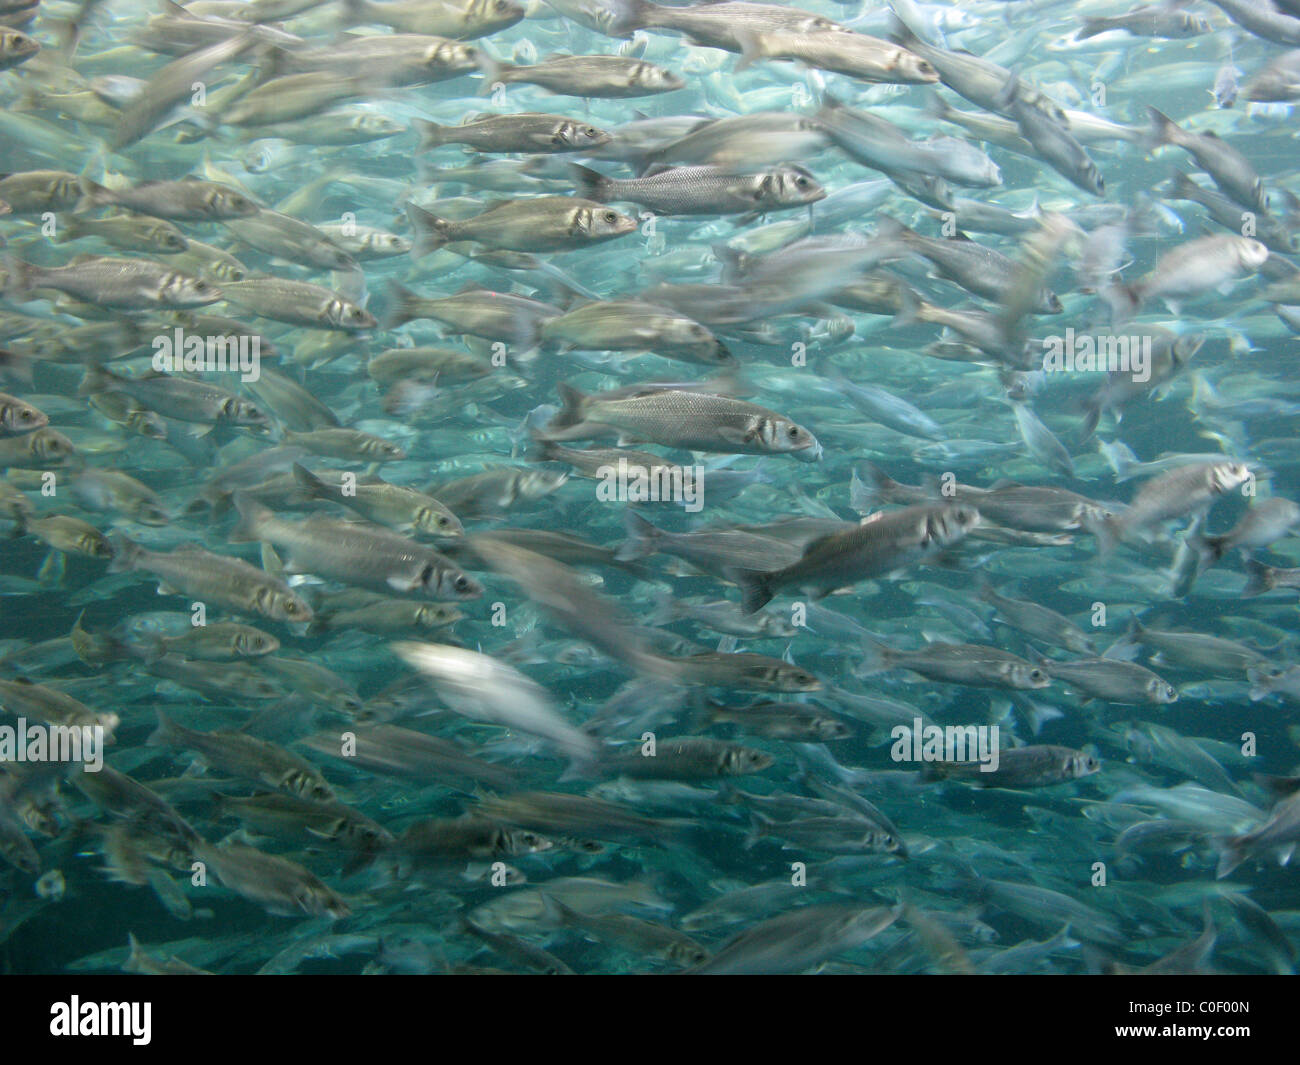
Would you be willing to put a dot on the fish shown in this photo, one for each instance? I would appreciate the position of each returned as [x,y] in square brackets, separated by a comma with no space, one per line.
[572,486]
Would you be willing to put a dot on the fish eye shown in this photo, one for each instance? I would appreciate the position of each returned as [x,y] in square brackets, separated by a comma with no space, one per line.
[462,583]
[290,607]
[611,216]
[1037,674]
[793,432]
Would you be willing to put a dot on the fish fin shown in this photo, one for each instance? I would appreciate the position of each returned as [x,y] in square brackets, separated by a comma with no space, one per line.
[590,184]
[431,134]
[165,734]
[431,232]
[1259,578]
[251,515]
[755,588]
[642,538]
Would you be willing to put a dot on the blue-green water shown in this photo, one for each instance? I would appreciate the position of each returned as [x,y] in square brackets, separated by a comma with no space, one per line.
[395,671]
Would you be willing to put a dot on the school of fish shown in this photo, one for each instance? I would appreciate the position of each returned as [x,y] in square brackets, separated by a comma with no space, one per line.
[602,486]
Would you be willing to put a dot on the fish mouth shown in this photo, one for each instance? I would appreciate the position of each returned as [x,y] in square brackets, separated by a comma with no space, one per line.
[811,453]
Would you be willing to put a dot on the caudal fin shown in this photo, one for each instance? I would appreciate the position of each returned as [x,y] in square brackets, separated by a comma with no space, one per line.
[251,516]
[755,588]
[589,184]
[431,135]
[642,538]
[1259,578]
[310,483]
[431,232]
[166,734]
[400,306]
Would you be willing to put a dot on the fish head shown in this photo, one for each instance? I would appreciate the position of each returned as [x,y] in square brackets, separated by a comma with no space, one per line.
[1225,476]
[169,241]
[284,606]
[739,760]
[308,786]
[17,45]
[912,68]
[687,954]
[1028,677]
[830,728]
[347,315]
[93,544]
[448,583]
[186,290]
[435,523]
[521,841]
[51,445]
[492,15]
[1160,691]
[1079,764]
[598,222]
[452,55]
[654,79]
[579,135]
[20,417]
[949,524]
[222,202]
[388,244]
[790,186]
[784,436]
[319,901]
[1251,253]
[251,642]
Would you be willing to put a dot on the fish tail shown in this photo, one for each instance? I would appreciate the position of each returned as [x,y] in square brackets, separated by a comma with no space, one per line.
[1232,852]
[1091,419]
[890,228]
[19,280]
[312,484]
[166,734]
[431,134]
[755,588]
[126,554]
[1210,548]
[590,184]
[251,516]
[1259,687]
[642,538]
[875,657]
[431,232]
[96,380]
[571,413]
[878,486]
[759,827]
[1124,301]
[93,195]
[1163,129]
[1259,578]
[400,305]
